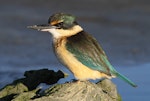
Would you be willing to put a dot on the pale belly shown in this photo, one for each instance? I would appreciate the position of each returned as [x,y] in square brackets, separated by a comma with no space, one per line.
[80,71]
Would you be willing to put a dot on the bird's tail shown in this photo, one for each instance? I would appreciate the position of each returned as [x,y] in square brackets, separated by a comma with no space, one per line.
[125,79]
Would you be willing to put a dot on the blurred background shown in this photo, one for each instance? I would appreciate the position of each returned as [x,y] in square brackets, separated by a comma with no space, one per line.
[121,26]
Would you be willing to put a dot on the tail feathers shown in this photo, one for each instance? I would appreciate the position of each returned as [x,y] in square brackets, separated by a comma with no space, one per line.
[125,79]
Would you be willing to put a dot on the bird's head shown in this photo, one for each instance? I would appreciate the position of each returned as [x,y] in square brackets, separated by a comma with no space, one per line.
[60,25]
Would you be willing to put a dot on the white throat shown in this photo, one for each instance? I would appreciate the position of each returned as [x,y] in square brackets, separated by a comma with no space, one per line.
[58,33]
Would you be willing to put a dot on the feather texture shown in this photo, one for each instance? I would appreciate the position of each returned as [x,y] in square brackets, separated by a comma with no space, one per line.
[87,50]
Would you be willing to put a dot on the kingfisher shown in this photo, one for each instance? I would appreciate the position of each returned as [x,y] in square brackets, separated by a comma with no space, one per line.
[79,51]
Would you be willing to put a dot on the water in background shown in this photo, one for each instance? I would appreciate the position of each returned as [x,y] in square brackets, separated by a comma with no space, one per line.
[122,28]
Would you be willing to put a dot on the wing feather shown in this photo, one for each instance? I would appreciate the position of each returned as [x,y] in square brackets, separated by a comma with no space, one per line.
[87,50]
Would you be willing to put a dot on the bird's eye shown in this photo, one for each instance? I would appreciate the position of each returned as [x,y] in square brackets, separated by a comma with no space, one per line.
[59,25]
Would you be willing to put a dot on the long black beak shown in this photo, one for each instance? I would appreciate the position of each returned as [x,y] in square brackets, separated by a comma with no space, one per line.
[41,27]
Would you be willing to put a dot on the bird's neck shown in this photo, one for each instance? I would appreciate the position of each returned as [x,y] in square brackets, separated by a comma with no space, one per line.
[57,42]
[60,33]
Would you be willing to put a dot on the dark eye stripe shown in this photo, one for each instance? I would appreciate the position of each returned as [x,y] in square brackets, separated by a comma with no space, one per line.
[59,25]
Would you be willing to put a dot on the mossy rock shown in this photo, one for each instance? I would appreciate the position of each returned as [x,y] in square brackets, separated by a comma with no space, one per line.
[25,89]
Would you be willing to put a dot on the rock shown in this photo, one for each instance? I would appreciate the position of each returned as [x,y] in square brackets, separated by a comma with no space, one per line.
[25,96]
[9,91]
[25,89]
[81,91]
[32,79]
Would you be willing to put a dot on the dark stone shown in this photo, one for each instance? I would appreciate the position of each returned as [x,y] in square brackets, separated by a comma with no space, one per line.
[25,89]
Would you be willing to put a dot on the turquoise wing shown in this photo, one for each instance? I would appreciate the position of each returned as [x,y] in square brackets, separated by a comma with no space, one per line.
[87,50]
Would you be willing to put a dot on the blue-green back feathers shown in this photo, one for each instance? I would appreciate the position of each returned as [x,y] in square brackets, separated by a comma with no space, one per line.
[86,49]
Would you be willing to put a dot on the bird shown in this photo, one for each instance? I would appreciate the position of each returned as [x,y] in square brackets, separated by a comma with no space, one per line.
[78,50]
